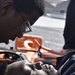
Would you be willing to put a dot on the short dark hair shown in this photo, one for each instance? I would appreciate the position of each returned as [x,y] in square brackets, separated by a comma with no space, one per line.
[28,6]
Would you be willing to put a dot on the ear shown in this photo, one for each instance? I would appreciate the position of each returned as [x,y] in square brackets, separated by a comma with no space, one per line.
[6,7]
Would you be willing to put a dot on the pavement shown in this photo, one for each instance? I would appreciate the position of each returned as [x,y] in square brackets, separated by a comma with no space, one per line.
[45,21]
[50,29]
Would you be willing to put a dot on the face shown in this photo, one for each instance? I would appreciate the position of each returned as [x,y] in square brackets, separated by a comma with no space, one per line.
[11,23]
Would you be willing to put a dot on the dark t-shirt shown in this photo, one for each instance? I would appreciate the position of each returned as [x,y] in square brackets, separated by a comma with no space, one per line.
[69,30]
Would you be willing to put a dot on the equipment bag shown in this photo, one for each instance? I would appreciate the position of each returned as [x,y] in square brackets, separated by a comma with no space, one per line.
[67,64]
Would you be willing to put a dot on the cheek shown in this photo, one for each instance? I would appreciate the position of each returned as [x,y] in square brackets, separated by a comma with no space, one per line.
[15,30]
[17,23]
[16,26]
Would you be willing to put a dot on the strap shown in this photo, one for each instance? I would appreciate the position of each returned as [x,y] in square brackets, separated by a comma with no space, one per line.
[39,52]
[47,61]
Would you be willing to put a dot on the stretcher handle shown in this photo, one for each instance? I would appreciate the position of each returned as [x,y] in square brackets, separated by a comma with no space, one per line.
[47,54]
[47,49]
[51,51]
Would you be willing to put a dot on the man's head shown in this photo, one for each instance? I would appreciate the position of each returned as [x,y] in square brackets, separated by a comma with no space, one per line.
[15,13]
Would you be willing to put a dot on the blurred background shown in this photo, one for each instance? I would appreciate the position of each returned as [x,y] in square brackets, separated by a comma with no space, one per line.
[56,8]
[50,26]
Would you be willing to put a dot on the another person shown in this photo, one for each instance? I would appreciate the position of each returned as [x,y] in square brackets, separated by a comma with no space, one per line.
[69,31]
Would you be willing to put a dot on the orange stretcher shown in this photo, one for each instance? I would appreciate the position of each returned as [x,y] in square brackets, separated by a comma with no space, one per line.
[32,43]
[35,50]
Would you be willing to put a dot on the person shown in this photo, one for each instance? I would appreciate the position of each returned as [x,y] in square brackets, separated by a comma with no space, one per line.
[16,18]
[69,35]
[14,15]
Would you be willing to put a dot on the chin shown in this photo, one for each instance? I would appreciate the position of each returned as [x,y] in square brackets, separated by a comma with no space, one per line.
[4,41]
[12,39]
[19,36]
